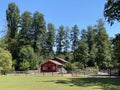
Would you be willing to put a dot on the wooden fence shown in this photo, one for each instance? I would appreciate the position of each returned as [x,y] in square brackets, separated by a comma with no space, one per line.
[73,74]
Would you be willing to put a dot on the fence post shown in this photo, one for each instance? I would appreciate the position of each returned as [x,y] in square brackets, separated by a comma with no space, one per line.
[84,73]
[72,74]
[43,73]
[110,72]
[52,73]
[61,73]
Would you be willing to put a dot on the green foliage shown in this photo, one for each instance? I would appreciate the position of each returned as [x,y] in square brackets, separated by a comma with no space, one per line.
[60,56]
[33,44]
[91,36]
[50,36]
[84,35]
[60,39]
[38,31]
[73,66]
[27,59]
[112,11]
[12,16]
[116,50]
[79,65]
[69,67]
[69,57]
[25,23]
[93,69]
[81,54]
[24,66]
[66,43]
[47,51]
[2,43]
[74,37]
[103,58]
[5,60]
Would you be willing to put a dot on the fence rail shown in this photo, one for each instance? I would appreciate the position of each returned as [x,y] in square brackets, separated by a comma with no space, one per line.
[74,74]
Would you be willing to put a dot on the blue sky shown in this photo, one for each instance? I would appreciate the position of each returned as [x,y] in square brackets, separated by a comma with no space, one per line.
[63,12]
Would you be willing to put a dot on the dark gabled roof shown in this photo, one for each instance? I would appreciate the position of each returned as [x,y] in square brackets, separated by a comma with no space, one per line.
[60,59]
[55,62]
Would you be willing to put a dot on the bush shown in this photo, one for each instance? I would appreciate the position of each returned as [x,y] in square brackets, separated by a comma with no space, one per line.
[27,58]
[5,61]
[24,66]
[93,69]
[79,65]
[3,72]
[70,67]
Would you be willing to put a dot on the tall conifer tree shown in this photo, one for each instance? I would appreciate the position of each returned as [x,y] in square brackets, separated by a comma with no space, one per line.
[60,39]
[103,57]
[25,23]
[38,31]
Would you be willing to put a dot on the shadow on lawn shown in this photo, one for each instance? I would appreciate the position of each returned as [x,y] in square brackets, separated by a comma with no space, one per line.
[90,81]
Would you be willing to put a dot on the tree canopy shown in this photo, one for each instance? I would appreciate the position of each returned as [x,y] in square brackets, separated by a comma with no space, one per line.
[5,60]
[29,41]
[112,11]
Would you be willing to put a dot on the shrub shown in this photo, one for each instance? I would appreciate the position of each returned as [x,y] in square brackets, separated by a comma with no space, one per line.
[5,61]
[70,67]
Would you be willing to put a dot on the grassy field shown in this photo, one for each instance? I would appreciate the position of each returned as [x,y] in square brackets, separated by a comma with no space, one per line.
[55,83]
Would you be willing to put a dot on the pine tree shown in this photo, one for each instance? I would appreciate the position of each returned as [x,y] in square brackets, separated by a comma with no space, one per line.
[50,38]
[66,40]
[60,39]
[81,53]
[91,36]
[84,35]
[103,57]
[38,31]
[116,50]
[25,23]
[74,37]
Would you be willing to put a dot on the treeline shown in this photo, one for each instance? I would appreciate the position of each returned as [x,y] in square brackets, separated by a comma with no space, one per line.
[31,42]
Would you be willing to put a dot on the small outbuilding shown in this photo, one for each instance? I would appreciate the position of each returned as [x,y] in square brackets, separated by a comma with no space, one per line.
[51,66]
[54,65]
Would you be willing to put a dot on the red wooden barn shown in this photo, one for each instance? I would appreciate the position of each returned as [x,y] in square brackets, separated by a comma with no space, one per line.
[54,65]
[51,66]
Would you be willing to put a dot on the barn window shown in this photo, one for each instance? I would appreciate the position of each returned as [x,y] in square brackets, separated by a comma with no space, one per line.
[45,68]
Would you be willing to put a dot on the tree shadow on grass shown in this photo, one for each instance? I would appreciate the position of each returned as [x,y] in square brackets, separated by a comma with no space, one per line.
[84,82]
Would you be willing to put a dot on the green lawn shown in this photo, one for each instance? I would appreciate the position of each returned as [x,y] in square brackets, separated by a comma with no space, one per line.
[55,83]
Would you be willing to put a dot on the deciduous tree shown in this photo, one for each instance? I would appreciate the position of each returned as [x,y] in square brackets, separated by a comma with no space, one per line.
[112,11]
[5,60]
[27,59]
[12,17]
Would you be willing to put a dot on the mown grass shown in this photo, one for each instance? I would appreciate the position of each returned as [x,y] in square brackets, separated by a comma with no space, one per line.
[55,83]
